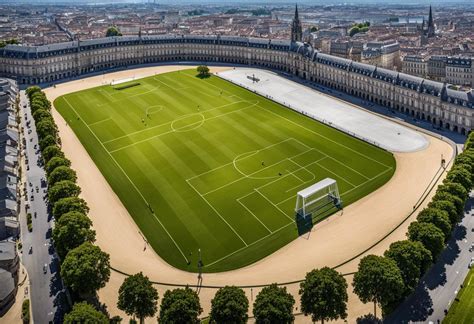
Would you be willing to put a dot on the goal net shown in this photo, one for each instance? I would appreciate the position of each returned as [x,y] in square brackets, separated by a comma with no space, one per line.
[318,197]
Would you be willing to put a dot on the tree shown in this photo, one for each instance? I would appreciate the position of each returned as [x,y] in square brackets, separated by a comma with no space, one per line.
[47,141]
[460,175]
[138,297]
[113,31]
[51,151]
[40,114]
[354,30]
[448,207]
[83,313]
[429,235]
[62,173]
[437,217]
[203,71]
[55,162]
[63,189]
[273,304]
[86,269]
[31,90]
[180,306]
[378,280]
[229,305]
[45,128]
[458,202]
[454,188]
[70,231]
[324,295]
[412,258]
[69,204]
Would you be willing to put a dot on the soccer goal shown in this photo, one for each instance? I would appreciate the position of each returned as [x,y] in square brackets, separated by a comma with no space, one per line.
[320,195]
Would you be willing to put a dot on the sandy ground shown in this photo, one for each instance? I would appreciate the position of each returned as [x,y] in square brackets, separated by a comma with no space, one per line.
[330,243]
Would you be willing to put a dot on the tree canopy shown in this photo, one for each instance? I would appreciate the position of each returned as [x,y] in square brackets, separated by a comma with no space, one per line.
[460,175]
[203,71]
[229,305]
[113,31]
[86,269]
[458,202]
[378,280]
[51,151]
[49,140]
[324,295]
[63,189]
[45,128]
[69,204]
[448,207]
[412,258]
[83,313]
[180,306]
[437,217]
[70,231]
[55,162]
[429,235]
[62,173]
[273,304]
[138,297]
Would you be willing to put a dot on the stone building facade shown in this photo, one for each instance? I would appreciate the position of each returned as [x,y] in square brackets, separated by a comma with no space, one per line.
[420,98]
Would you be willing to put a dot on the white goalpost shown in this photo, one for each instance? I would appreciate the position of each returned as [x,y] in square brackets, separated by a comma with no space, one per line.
[318,196]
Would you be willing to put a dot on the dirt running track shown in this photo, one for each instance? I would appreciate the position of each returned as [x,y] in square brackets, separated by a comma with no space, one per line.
[331,242]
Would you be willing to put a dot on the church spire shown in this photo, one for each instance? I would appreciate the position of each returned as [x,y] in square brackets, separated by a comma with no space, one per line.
[431,28]
[296,29]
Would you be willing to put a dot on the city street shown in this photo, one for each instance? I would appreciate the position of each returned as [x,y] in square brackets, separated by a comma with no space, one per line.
[38,256]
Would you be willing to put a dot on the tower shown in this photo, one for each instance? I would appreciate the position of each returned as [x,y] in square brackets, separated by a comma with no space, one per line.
[431,28]
[296,29]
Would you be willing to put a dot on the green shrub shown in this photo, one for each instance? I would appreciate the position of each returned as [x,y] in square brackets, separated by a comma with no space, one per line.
[25,311]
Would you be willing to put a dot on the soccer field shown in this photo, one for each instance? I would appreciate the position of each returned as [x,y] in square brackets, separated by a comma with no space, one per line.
[205,164]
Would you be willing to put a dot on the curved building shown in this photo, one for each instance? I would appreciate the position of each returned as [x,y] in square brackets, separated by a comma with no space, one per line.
[421,98]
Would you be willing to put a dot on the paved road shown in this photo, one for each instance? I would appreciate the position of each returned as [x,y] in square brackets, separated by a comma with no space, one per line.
[438,288]
[40,262]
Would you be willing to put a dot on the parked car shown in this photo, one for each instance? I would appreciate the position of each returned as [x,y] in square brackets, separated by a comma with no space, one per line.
[45,268]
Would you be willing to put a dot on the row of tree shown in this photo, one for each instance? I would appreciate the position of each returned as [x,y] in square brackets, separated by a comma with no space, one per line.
[84,267]
[386,280]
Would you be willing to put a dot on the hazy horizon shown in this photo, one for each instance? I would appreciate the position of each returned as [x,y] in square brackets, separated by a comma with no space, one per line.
[247,2]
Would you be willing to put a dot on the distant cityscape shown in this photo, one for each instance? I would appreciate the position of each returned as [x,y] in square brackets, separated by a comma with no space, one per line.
[416,39]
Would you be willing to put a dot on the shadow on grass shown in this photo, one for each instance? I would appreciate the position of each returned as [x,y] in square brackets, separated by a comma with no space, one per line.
[303,224]
[203,76]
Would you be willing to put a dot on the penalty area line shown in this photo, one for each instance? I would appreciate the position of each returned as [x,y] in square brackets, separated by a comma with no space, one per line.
[130,180]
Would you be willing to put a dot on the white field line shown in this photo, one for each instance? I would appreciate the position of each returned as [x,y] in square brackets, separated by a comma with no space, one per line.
[224,165]
[133,184]
[176,131]
[346,192]
[99,122]
[171,87]
[128,97]
[168,123]
[290,223]
[254,242]
[258,219]
[341,163]
[327,138]
[245,177]
[271,202]
[218,214]
[341,177]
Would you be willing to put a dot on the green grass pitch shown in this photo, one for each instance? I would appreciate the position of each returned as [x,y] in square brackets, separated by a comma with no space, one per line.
[462,309]
[203,163]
